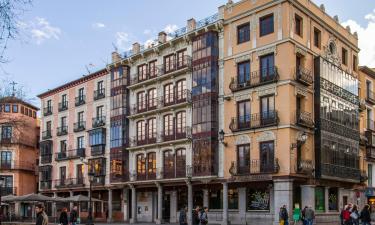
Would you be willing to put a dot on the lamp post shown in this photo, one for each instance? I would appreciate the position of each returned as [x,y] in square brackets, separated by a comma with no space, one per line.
[89,218]
[221,137]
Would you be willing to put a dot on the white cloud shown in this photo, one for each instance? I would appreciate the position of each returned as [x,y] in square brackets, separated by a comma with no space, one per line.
[147,32]
[40,30]
[98,25]
[122,40]
[366,36]
[170,28]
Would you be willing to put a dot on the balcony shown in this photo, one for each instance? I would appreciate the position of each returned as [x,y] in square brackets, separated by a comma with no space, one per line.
[99,180]
[45,185]
[47,111]
[304,119]
[254,121]
[176,134]
[98,121]
[304,76]
[6,140]
[136,176]
[162,70]
[99,94]
[79,126]
[305,167]
[144,140]
[97,150]
[362,105]
[257,78]
[63,130]
[17,165]
[46,134]
[339,171]
[63,106]
[46,158]
[180,171]
[161,102]
[71,154]
[80,100]
[70,183]
[370,125]
[255,166]
[370,97]
[8,191]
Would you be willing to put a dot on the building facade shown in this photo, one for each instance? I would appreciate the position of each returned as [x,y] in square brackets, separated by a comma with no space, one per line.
[253,108]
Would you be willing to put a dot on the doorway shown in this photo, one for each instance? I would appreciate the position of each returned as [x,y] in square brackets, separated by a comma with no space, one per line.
[166,208]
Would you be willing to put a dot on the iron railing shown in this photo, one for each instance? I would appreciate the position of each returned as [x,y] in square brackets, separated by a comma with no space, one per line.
[79,126]
[256,166]
[256,78]
[304,119]
[69,182]
[45,185]
[175,134]
[340,171]
[80,100]
[70,154]
[46,134]
[99,94]
[254,121]
[304,76]
[370,153]
[63,106]
[63,130]
[97,150]
[8,191]
[17,165]
[99,180]
[46,158]
[47,111]
[98,121]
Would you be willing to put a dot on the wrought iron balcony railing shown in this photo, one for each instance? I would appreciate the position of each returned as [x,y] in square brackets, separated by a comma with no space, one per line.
[47,111]
[63,106]
[46,158]
[304,119]
[80,100]
[176,98]
[79,126]
[17,165]
[370,125]
[63,130]
[255,166]
[99,180]
[370,97]
[254,121]
[175,134]
[8,191]
[99,94]
[256,78]
[98,121]
[370,153]
[304,76]
[46,134]
[69,182]
[97,150]
[45,184]
[340,171]
[70,154]
[305,167]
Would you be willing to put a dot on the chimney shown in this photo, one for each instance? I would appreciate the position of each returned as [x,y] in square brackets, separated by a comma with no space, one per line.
[136,48]
[162,37]
[322,7]
[115,57]
[336,18]
[191,24]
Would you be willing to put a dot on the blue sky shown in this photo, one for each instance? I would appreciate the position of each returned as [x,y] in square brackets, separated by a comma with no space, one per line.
[59,38]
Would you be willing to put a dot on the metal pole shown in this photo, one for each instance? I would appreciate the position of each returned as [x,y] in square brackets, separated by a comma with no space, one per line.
[90,207]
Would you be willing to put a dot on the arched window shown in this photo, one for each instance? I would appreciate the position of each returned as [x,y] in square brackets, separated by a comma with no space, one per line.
[181,90]
[181,123]
[141,131]
[168,133]
[141,167]
[141,101]
[180,162]
[142,72]
[168,94]
[169,168]
[151,165]
[151,130]
[152,100]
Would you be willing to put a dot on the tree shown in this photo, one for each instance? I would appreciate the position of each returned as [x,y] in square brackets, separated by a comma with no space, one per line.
[10,11]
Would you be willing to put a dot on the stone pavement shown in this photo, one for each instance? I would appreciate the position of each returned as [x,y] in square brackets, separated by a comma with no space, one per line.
[100,223]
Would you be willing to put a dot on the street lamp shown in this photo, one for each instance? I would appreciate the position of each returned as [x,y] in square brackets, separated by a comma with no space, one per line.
[221,137]
[89,218]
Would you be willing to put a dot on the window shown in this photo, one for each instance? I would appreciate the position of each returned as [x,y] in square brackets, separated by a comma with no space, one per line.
[151,163]
[319,199]
[80,117]
[215,198]
[369,171]
[344,56]
[168,94]
[355,63]
[181,90]
[266,25]
[63,121]
[243,114]
[317,37]
[267,157]
[181,58]
[6,160]
[141,130]
[152,99]
[62,174]
[168,125]
[169,169]
[15,108]
[97,137]
[100,86]
[141,165]
[298,25]
[258,199]
[97,166]
[151,133]
[142,72]
[141,101]
[181,121]
[169,64]
[7,108]
[63,146]
[267,70]
[180,162]
[22,109]
[267,107]
[333,199]
[243,33]
[6,132]
[49,104]
[80,142]
[243,72]
[233,198]
[243,159]
[80,172]
[99,111]
[152,69]
[64,100]
[116,134]
[48,126]
[7,186]
[80,94]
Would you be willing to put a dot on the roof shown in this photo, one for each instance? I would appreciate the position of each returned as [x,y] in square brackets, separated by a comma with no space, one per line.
[12,99]
[73,83]
[368,71]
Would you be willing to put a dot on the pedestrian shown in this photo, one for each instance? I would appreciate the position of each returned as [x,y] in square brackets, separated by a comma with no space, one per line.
[106,214]
[183,218]
[296,214]
[346,215]
[204,216]
[41,216]
[283,216]
[354,215]
[196,215]
[63,220]
[365,215]
[309,216]
[74,215]
[304,222]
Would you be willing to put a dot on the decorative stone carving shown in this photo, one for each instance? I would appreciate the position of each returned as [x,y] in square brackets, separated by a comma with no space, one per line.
[300,51]
[242,97]
[243,58]
[301,92]
[330,51]
[266,136]
[243,139]
[266,51]
[267,91]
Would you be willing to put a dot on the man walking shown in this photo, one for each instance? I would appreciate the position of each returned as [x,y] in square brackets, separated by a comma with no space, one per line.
[309,216]
[183,217]
[41,216]
[74,215]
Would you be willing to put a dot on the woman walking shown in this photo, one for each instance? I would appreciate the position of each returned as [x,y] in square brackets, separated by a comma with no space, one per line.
[64,217]
[365,215]
[354,215]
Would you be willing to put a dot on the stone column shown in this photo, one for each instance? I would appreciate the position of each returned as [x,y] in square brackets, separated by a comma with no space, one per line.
[307,196]
[326,199]
[71,203]
[134,205]
[109,219]
[190,202]
[160,204]
[225,204]
[125,194]
[205,198]
[174,208]
[283,192]
[54,209]
[242,205]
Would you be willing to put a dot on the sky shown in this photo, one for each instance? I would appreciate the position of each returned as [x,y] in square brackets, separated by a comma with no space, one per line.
[60,40]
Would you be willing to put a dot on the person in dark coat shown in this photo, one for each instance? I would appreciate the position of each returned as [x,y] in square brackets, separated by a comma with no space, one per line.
[41,216]
[365,215]
[64,217]
[196,216]
[183,216]
[74,216]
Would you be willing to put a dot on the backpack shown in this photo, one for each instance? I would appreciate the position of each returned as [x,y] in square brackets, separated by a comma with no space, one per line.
[346,215]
